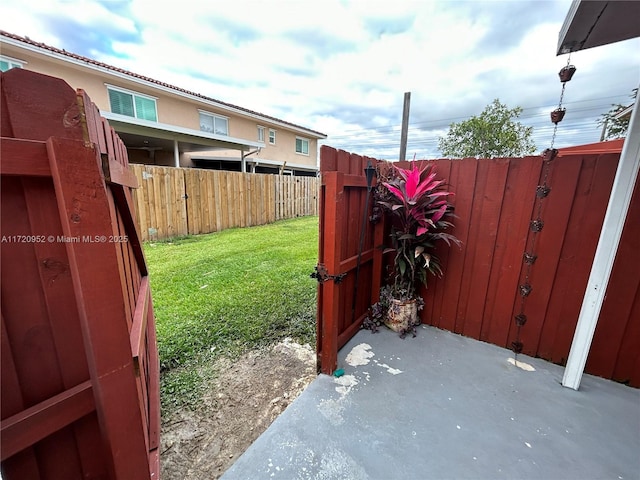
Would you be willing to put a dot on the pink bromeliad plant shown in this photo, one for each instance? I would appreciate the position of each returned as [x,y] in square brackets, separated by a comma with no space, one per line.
[420,215]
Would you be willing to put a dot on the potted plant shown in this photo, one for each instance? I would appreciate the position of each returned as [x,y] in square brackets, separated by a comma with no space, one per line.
[419,212]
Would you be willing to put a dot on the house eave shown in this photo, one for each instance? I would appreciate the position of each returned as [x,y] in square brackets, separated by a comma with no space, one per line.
[624,113]
[173,132]
[595,23]
[256,161]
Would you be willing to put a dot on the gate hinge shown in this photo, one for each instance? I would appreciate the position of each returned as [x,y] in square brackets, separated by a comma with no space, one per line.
[322,275]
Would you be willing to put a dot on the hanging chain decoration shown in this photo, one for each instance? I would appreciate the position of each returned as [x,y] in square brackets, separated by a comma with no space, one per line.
[537,224]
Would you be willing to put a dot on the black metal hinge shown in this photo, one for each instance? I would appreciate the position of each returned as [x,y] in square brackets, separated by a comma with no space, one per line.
[322,275]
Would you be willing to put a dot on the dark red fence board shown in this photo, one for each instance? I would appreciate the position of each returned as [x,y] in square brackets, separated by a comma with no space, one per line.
[555,214]
[434,291]
[574,263]
[478,296]
[463,182]
[510,244]
[617,336]
[628,362]
[75,401]
[490,204]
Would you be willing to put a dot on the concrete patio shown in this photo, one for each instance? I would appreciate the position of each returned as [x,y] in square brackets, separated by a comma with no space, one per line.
[445,406]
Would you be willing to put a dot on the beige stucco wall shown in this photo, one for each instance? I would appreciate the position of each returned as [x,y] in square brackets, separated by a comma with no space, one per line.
[172,109]
[284,149]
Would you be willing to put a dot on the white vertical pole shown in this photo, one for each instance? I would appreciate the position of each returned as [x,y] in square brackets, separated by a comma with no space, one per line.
[176,154]
[614,219]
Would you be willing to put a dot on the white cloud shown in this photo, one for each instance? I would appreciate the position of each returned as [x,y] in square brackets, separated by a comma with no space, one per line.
[342,66]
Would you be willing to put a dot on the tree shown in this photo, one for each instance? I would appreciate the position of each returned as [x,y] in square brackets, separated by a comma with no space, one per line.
[613,127]
[493,133]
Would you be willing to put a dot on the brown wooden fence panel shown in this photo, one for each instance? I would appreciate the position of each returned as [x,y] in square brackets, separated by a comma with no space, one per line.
[80,372]
[479,295]
[173,202]
[160,202]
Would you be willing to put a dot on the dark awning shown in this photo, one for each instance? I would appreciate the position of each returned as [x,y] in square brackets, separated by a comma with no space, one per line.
[594,23]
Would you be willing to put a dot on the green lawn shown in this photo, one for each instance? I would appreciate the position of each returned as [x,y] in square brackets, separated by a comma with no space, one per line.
[229,292]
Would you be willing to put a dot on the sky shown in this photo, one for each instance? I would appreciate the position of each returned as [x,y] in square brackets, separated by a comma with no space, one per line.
[341,67]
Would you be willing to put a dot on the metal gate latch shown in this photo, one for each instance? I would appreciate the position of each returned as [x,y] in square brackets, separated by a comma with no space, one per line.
[322,275]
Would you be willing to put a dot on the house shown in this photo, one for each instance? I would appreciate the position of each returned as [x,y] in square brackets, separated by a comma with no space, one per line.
[162,124]
[625,113]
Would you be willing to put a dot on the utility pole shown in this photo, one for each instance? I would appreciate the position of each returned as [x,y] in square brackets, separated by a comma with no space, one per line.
[604,129]
[405,126]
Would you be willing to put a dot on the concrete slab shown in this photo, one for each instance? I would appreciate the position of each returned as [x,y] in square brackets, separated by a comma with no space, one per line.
[445,406]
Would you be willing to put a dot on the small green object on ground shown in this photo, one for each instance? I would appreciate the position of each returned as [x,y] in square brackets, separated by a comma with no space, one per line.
[338,373]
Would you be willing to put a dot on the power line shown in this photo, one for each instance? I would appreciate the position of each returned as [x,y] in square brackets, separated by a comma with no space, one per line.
[445,122]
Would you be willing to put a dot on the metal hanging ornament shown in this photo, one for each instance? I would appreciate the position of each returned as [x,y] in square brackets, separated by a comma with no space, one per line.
[537,224]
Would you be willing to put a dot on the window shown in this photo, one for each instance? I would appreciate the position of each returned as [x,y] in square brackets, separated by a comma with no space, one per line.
[132,104]
[260,133]
[7,63]
[302,145]
[214,123]
[272,136]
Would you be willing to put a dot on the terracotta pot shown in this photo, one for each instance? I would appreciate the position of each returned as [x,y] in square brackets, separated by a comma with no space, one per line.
[557,115]
[401,315]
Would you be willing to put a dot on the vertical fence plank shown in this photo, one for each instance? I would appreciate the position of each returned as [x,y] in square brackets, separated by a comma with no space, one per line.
[333,209]
[180,209]
[573,269]
[434,291]
[563,180]
[192,191]
[628,360]
[74,172]
[615,316]
[627,366]
[510,245]
[491,206]
[229,195]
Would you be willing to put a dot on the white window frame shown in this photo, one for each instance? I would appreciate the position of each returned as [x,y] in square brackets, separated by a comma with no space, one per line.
[260,133]
[308,146]
[13,62]
[134,94]
[214,116]
[272,131]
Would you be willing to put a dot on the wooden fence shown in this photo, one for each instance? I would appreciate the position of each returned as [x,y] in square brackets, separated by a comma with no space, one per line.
[173,202]
[80,371]
[479,293]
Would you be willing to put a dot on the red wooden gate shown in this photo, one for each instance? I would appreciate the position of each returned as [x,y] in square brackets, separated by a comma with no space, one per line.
[342,207]
[80,372]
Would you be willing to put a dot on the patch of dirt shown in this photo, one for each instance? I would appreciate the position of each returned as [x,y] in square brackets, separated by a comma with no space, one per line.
[244,398]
